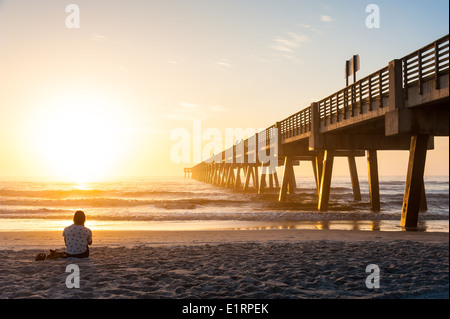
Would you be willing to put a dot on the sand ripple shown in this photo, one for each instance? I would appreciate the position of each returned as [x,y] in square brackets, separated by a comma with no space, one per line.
[318,269]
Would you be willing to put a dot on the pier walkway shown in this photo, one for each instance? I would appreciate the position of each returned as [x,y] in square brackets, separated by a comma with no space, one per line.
[402,106]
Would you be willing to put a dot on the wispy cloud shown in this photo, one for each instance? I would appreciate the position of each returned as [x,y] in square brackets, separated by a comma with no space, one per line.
[289,43]
[224,63]
[326,18]
[96,37]
[310,28]
[187,111]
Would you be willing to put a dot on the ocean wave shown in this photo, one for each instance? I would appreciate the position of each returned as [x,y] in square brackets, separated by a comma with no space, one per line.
[41,212]
[224,216]
[187,203]
[300,201]
[89,193]
[56,194]
[188,200]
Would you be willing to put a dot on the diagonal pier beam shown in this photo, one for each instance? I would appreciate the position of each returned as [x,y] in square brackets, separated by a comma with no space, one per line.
[354,178]
[374,183]
[414,182]
[325,181]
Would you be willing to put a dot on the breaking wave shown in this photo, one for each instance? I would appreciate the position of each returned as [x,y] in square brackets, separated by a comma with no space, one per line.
[188,200]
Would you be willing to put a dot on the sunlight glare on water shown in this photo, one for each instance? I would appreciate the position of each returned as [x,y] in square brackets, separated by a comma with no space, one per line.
[174,203]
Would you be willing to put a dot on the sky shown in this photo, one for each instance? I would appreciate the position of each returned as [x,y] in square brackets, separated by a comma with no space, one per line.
[102,99]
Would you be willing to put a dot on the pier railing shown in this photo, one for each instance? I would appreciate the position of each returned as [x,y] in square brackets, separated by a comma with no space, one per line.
[369,94]
[429,62]
[356,98]
[296,125]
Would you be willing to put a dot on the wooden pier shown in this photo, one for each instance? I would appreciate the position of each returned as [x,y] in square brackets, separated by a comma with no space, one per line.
[399,107]
[187,172]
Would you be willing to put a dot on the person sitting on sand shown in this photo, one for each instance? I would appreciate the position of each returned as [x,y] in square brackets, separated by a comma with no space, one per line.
[77,237]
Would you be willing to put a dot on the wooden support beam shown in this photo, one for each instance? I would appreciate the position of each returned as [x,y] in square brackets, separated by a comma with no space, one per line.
[262,181]
[233,178]
[228,177]
[222,176]
[374,184]
[272,174]
[287,170]
[314,141]
[217,175]
[354,178]
[248,174]
[256,178]
[414,182]
[275,177]
[366,141]
[409,122]
[252,172]
[293,183]
[325,181]
[396,100]
[318,168]
[211,174]
[316,177]
[237,181]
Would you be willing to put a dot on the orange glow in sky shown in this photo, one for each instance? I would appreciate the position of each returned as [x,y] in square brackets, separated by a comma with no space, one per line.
[101,100]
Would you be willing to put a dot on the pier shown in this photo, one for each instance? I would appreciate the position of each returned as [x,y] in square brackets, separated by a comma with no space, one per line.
[402,106]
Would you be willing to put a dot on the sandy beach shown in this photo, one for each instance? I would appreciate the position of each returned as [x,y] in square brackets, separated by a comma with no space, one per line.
[259,264]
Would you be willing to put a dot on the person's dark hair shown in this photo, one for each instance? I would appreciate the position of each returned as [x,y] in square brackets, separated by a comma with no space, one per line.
[79,218]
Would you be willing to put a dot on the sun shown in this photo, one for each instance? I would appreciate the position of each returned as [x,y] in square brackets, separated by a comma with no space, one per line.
[79,136]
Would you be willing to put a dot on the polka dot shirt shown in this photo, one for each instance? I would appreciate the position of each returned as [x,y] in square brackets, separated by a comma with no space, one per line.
[77,238]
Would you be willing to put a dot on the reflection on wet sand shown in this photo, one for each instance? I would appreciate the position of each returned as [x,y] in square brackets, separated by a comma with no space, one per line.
[362,225]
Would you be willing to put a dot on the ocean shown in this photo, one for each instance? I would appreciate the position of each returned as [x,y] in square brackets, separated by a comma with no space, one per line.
[177,203]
